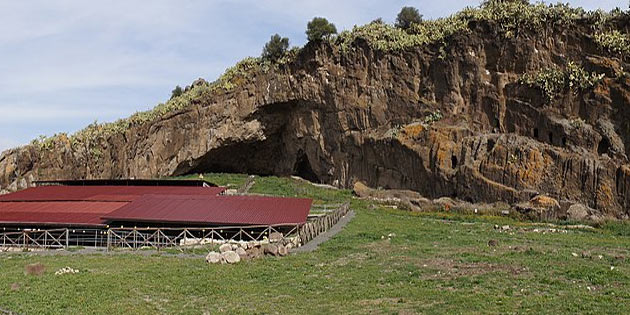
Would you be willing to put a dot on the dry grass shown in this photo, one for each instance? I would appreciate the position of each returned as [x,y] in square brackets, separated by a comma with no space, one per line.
[36,269]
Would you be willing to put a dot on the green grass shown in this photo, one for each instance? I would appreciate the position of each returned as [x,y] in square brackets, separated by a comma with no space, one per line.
[435,263]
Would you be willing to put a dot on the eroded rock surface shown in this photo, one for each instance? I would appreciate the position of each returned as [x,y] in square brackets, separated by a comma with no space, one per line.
[364,115]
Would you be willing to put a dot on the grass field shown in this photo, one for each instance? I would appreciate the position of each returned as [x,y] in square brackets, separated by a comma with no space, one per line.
[430,263]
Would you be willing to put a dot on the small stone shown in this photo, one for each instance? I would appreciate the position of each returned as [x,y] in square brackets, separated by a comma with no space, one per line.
[270,249]
[282,250]
[505,212]
[213,258]
[586,255]
[505,227]
[600,256]
[231,257]
[254,252]
[225,247]
[574,254]
[234,246]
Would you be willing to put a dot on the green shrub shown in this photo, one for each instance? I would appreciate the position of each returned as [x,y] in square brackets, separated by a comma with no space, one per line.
[614,42]
[275,48]
[551,81]
[177,92]
[407,17]
[319,28]
[433,117]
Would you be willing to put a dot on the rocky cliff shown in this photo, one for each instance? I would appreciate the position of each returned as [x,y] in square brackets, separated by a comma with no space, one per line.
[485,113]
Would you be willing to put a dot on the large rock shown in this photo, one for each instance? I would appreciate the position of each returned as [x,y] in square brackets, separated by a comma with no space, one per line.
[461,126]
[270,249]
[255,252]
[242,253]
[214,258]
[225,247]
[578,212]
[231,257]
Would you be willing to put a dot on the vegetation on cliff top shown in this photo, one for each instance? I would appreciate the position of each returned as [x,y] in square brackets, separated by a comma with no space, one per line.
[552,81]
[512,19]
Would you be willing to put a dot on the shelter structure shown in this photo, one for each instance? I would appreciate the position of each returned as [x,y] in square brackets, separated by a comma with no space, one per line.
[100,204]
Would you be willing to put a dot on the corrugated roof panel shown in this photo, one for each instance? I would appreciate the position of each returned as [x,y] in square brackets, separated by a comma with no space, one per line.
[62,213]
[214,210]
[104,193]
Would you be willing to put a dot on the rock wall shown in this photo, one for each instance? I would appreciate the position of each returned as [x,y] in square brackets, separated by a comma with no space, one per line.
[338,117]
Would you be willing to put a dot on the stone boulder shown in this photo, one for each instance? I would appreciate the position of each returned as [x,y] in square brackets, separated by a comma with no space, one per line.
[242,253]
[270,249]
[255,252]
[540,208]
[282,250]
[545,202]
[225,247]
[214,258]
[578,212]
[231,257]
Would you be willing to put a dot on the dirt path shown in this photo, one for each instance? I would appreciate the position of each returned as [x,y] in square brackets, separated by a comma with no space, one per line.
[312,245]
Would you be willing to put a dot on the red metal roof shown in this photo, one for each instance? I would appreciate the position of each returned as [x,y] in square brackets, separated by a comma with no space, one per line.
[83,213]
[213,210]
[97,205]
[104,193]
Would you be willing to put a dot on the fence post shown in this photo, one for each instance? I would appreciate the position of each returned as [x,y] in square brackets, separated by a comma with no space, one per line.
[108,239]
[67,238]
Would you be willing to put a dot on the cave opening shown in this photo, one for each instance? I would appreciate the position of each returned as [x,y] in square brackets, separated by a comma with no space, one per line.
[551,137]
[535,133]
[303,168]
[490,145]
[603,146]
[453,161]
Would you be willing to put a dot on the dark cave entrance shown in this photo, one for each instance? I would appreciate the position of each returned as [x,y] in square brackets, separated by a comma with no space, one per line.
[303,168]
[603,146]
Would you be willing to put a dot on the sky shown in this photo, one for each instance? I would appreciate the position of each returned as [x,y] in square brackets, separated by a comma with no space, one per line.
[67,63]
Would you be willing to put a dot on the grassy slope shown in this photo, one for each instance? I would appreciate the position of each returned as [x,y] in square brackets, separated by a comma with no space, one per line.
[431,265]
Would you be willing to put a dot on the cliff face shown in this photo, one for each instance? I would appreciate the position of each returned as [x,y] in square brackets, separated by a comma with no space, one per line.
[448,120]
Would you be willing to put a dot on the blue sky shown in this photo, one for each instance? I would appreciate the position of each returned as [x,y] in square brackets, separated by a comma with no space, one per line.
[68,63]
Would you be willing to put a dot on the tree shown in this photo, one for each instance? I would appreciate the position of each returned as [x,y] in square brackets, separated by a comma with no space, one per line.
[275,48]
[319,28]
[407,17]
[378,21]
[177,92]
